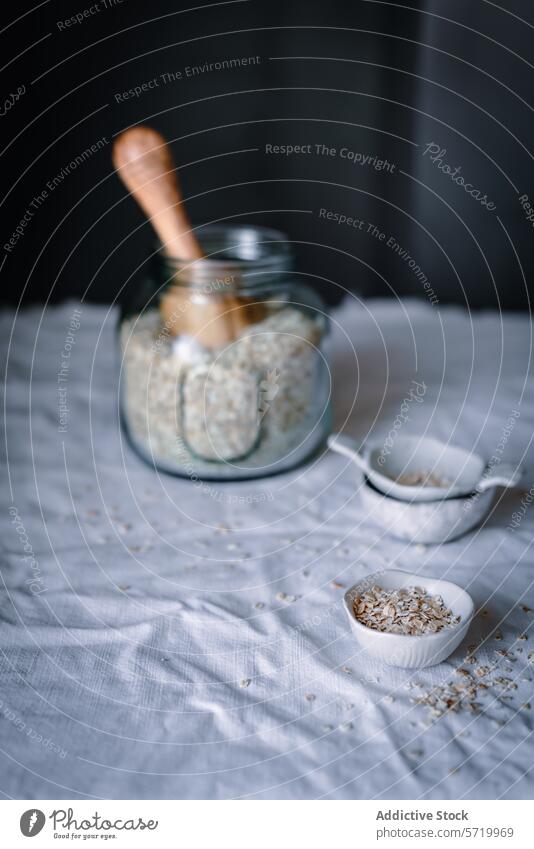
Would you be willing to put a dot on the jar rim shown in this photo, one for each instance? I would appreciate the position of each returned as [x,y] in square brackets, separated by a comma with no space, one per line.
[238,254]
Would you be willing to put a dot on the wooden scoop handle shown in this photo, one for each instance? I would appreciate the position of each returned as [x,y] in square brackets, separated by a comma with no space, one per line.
[144,163]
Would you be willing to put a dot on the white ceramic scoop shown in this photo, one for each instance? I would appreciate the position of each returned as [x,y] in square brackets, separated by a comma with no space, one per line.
[462,472]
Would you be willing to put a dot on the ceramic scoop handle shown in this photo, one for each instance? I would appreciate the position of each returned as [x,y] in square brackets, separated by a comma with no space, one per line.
[144,163]
[344,445]
[505,474]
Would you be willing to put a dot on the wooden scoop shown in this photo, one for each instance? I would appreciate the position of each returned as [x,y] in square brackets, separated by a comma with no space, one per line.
[144,163]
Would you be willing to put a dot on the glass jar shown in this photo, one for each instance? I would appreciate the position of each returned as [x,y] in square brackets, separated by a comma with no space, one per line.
[223,371]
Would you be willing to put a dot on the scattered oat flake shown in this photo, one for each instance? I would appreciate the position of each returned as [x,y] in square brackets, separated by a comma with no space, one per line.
[389,698]
[245,682]
[481,671]
[451,697]
[525,706]
[124,587]
[526,609]
[337,586]
[310,697]
[501,680]
[522,637]
[259,605]
[285,597]
[346,726]
[347,670]
[498,636]
[462,671]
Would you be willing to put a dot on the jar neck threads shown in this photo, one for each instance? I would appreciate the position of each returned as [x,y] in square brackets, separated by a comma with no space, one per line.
[237,257]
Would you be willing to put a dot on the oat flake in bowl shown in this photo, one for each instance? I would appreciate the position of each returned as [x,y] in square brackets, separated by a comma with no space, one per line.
[410,611]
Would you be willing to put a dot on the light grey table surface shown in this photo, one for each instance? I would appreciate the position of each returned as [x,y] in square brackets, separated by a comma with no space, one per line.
[145,651]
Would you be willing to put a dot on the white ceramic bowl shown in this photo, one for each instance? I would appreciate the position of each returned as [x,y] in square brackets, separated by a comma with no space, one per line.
[465,471]
[432,522]
[406,651]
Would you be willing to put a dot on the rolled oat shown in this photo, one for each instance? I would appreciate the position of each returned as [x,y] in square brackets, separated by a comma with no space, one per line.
[409,611]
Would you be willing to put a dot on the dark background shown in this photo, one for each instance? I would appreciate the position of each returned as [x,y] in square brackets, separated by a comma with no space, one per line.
[380,78]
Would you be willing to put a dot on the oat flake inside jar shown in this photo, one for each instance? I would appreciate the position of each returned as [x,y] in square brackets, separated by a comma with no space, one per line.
[223,371]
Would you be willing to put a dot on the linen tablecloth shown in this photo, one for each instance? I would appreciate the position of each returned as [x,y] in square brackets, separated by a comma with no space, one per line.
[164,639]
